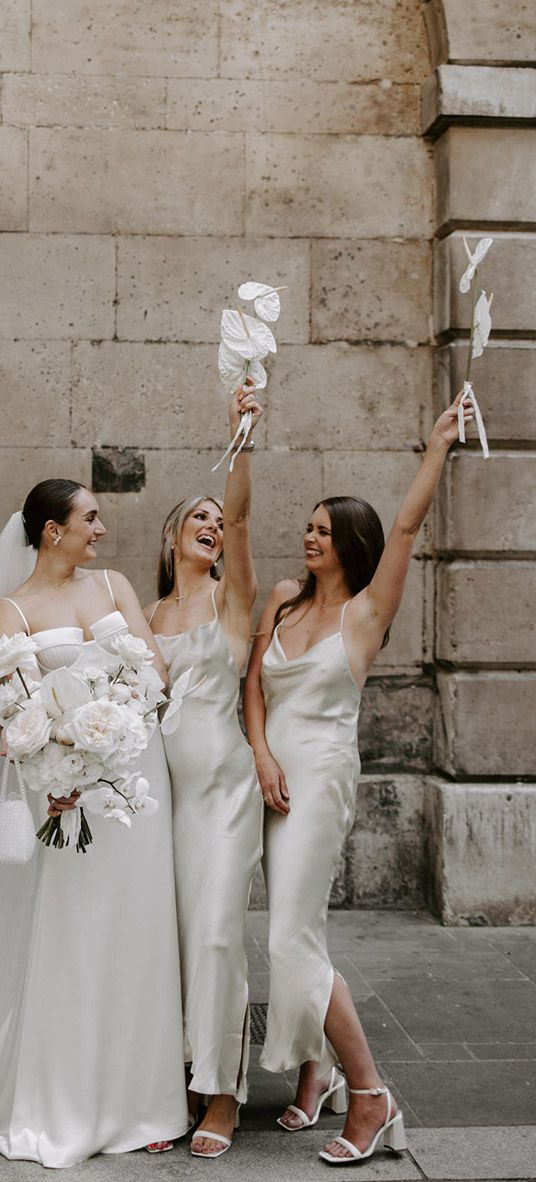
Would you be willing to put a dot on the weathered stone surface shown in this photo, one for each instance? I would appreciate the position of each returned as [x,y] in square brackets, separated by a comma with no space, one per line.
[175,288]
[66,100]
[382,479]
[485,724]
[170,392]
[56,286]
[13,167]
[507,271]
[117,469]
[351,299]
[384,855]
[504,381]
[480,848]
[135,181]
[35,380]
[339,396]
[321,186]
[486,175]
[126,37]
[22,467]
[484,31]
[482,503]
[486,612]
[395,724]
[454,93]
[15,41]
[298,105]
[370,39]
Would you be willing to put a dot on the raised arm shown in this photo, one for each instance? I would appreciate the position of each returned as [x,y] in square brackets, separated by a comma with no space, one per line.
[239,583]
[271,778]
[385,590]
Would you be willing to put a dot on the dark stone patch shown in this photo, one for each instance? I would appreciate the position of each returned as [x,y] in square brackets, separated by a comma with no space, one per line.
[396,724]
[117,469]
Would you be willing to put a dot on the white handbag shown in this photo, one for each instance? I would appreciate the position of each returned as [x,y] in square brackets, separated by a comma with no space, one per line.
[17,828]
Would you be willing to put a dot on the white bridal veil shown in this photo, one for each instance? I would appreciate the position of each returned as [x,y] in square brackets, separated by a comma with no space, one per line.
[17,558]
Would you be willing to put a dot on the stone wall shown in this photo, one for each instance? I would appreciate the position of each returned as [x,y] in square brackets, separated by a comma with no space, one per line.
[156,152]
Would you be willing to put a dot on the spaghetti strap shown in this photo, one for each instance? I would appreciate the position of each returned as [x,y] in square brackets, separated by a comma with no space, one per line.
[213,598]
[344,606]
[154,611]
[20,611]
[109,586]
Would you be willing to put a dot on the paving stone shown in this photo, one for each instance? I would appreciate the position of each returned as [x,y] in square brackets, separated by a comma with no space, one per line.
[352,300]
[443,1094]
[444,1052]
[475,1153]
[48,100]
[492,1009]
[108,181]
[320,186]
[503,1050]
[520,948]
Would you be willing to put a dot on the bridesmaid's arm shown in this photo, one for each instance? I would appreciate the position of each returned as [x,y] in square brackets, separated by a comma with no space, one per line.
[271,778]
[129,605]
[239,585]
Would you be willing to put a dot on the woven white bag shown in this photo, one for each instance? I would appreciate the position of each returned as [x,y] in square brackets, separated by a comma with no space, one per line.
[17,828]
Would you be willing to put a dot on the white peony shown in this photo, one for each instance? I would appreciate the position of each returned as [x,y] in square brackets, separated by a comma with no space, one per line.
[28,731]
[133,737]
[96,727]
[44,771]
[133,651]
[16,650]
[8,701]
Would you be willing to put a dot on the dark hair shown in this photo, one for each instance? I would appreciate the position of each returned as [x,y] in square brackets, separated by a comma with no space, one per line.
[172,529]
[358,540]
[50,500]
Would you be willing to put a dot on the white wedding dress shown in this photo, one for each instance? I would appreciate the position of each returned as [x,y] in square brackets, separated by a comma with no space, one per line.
[91,1054]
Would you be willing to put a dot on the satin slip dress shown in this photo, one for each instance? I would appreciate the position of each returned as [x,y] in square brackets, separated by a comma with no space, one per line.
[312,707]
[90,1006]
[217,830]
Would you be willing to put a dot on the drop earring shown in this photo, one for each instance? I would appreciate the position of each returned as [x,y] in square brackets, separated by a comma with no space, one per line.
[57,540]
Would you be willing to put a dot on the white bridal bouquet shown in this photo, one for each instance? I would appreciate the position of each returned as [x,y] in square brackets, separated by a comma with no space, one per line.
[245,342]
[81,729]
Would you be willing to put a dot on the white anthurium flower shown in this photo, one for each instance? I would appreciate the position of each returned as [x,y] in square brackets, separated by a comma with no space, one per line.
[479,253]
[266,299]
[62,690]
[171,718]
[15,651]
[234,369]
[247,336]
[482,324]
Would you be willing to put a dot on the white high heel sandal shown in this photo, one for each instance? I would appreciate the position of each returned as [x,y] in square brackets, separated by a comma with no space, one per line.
[225,1141]
[392,1131]
[334,1097]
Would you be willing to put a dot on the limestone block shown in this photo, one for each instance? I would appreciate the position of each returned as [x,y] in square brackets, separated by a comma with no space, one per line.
[35,379]
[135,181]
[486,175]
[148,396]
[483,31]
[486,612]
[337,186]
[298,105]
[23,467]
[484,724]
[454,93]
[67,100]
[504,380]
[371,290]
[507,271]
[396,724]
[385,850]
[15,41]
[406,642]
[382,479]
[126,37]
[309,39]
[480,841]
[57,286]
[14,170]
[482,504]
[175,288]
[338,396]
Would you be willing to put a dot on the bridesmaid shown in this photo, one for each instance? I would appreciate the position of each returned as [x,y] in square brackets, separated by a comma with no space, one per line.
[90,1032]
[205,623]
[316,643]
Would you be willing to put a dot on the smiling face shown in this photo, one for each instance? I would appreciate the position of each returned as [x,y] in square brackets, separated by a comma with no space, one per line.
[81,531]
[201,539]
[320,553]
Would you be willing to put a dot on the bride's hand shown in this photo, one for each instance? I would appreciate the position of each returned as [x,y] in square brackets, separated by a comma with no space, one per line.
[241,401]
[59,804]
[273,784]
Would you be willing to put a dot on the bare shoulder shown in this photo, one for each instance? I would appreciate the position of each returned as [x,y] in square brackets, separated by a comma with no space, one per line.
[284,590]
[10,620]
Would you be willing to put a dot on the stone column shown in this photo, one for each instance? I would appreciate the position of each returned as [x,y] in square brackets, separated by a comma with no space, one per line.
[479,108]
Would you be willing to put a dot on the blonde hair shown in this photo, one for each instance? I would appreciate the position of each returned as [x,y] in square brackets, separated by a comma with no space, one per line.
[171,534]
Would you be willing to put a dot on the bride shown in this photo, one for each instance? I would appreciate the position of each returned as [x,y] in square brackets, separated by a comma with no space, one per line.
[91,1056]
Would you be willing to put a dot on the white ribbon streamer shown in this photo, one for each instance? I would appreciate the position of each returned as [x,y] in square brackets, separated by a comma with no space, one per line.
[244,428]
[470,396]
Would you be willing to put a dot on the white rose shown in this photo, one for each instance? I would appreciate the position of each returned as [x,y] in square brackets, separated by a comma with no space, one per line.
[44,770]
[28,731]
[15,650]
[8,700]
[96,727]
[134,735]
[132,650]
